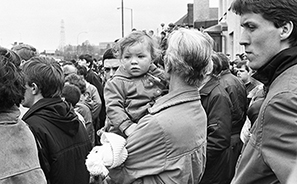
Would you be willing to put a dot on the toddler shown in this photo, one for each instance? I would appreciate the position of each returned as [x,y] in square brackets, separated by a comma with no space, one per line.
[135,85]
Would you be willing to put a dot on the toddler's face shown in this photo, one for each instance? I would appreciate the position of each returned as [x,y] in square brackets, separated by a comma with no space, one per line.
[137,59]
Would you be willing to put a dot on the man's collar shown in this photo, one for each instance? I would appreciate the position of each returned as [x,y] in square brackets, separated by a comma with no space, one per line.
[278,64]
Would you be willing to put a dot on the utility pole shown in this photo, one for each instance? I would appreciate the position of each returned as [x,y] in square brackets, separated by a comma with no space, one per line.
[122,18]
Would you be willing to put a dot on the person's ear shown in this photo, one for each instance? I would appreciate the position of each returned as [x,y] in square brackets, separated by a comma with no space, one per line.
[286,30]
[35,89]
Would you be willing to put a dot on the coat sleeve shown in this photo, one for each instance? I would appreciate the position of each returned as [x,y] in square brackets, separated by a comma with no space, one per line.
[115,98]
[96,98]
[147,153]
[219,125]
[92,100]
[279,134]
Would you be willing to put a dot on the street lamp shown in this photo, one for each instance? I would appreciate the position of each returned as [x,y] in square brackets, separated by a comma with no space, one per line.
[77,40]
[122,5]
[131,15]
[80,34]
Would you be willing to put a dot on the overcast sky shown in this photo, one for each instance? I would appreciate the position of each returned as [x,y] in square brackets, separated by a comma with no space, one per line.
[38,22]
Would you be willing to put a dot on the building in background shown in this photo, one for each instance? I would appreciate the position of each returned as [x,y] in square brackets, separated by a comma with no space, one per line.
[220,23]
[233,32]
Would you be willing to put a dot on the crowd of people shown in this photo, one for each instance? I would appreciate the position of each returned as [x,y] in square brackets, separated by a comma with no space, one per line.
[184,112]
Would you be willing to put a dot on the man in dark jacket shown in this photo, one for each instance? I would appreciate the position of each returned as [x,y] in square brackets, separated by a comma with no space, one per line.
[217,105]
[269,35]
[238,96]
[86,60]
[62,140]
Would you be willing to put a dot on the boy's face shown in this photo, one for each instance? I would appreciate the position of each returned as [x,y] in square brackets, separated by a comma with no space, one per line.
[28,100]
[137,59]
[243,74]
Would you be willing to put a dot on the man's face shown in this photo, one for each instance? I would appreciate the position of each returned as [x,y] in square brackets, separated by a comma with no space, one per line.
[260,38]
[243,74]
[82,62]
[110,66]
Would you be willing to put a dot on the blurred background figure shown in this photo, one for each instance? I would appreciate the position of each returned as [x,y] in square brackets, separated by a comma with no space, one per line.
[238,96]
[90,76]
[218,107]
[244,73]
[25,51]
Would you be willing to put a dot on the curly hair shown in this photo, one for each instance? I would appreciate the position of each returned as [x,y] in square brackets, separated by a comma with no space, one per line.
[78,81]
[11,56]
[188,55]
[12,83]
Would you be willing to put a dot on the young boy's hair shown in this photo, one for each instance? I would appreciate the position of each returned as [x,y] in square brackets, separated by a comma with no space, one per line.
[71,93]
[78,81]
[46,73]
[139,37]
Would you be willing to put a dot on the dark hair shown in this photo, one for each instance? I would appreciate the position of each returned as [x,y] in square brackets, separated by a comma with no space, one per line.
[224,60]
[108,54]
[71,93]
[243,63]
[82,70]
[88,59]
[12,83]
[217,64]
[279,12]
[11,56]
[46,73]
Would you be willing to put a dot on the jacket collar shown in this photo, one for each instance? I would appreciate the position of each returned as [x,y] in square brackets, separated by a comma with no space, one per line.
[40,104]
[277,65]
[10,116]
[224,72]
[176,97]
[209,86]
